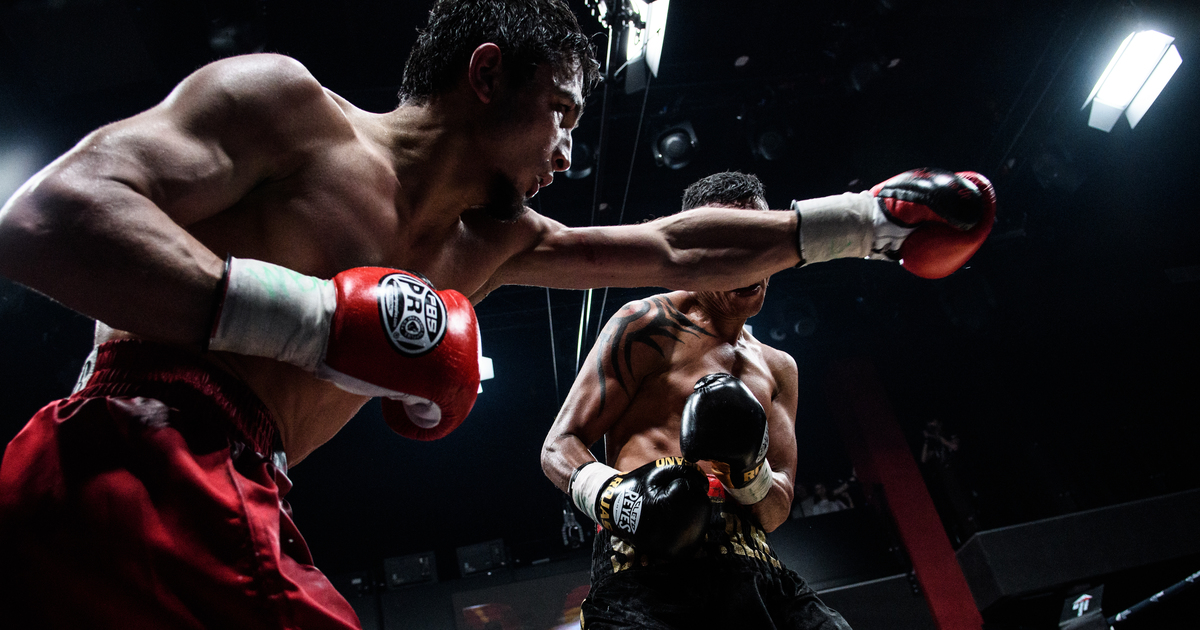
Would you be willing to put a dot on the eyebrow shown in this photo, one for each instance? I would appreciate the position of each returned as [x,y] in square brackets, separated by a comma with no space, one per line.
[574,98]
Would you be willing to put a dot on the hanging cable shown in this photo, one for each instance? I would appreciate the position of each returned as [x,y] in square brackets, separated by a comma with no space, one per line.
[584,322]
[553,349]
[601,151]
[637,138]
[550,318]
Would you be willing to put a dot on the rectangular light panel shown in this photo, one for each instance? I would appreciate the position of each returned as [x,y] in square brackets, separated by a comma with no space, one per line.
[1136,75]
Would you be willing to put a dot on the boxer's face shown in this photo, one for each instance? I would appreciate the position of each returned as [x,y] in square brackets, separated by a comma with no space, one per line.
[532,139]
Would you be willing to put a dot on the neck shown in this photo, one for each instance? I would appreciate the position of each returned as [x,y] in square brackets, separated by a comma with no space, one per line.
[433,152]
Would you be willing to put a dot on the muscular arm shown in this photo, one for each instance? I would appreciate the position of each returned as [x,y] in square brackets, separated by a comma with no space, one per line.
[102,229]
[773,510]
[604,389]
[706,249]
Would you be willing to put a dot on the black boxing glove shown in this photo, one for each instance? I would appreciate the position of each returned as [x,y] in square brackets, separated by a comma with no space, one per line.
[724,424]
[662,508]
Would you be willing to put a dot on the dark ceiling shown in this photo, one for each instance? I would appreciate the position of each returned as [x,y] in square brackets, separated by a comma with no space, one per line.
[1064,355]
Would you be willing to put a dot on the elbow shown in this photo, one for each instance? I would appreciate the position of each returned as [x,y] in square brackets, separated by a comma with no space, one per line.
[549,452]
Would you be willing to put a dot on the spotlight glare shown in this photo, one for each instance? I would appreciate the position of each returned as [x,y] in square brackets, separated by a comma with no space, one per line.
[1144,63]
[647,41]
[1155,84]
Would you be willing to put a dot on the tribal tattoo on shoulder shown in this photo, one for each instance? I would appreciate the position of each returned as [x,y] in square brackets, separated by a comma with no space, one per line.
[656,317]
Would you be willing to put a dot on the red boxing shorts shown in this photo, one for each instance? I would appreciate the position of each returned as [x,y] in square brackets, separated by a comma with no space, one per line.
[149,499]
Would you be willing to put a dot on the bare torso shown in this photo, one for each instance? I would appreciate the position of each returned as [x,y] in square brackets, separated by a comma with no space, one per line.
[341,207]
[649,427]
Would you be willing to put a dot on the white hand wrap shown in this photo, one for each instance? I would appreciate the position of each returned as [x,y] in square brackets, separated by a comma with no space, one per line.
[274,312]
[586,485]
[849,225]
[757,490]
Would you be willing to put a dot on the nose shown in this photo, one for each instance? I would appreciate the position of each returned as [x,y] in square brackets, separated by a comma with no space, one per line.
[561,159]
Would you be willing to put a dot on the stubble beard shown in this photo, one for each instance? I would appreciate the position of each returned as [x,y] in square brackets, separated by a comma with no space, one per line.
[505,203]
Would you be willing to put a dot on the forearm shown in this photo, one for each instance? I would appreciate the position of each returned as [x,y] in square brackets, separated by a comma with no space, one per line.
[722,248]
[775,509]
[561,455]
[709,249]
[108,252]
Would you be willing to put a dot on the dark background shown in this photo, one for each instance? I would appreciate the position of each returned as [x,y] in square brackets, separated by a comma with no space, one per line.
[1063,355]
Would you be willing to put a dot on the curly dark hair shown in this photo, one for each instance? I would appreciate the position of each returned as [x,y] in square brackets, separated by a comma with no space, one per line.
[730,188]
[528,32]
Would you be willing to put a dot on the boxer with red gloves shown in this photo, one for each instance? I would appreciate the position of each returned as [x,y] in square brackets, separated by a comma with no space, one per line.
[216,381]
[674,382]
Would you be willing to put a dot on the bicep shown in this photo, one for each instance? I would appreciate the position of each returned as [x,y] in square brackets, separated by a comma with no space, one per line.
[102,229]
[601,394]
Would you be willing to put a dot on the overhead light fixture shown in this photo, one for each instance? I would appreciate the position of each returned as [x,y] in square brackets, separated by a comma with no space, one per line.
[583,161]
[768,130]
[675,146]
[1136,75]
[645,32]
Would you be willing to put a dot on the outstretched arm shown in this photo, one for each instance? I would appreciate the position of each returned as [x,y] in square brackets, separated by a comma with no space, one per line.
[103,229]
[931,221]
[705,249]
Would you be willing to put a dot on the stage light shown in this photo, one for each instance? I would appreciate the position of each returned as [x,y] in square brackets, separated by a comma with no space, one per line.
[1139,71]
[675,146]
[17,165]
[645,32]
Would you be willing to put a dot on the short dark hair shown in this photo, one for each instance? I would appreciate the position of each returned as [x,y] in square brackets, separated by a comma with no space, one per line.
[528,32]
[730,188]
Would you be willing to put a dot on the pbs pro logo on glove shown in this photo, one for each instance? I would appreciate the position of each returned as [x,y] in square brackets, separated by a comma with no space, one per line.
[412,314]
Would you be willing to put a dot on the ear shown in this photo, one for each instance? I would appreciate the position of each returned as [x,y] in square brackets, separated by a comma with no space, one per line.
[483,73]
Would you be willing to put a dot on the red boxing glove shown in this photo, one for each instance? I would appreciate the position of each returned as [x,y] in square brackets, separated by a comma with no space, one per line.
[392,331]
[952,214]
[370,331]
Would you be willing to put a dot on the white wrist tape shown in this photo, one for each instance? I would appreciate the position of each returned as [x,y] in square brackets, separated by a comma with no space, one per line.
[849,225]
[586,485]
[274,312]
[757,490]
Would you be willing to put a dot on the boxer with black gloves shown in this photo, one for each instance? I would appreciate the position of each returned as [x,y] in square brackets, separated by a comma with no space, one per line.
[676,377]
[218,375]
